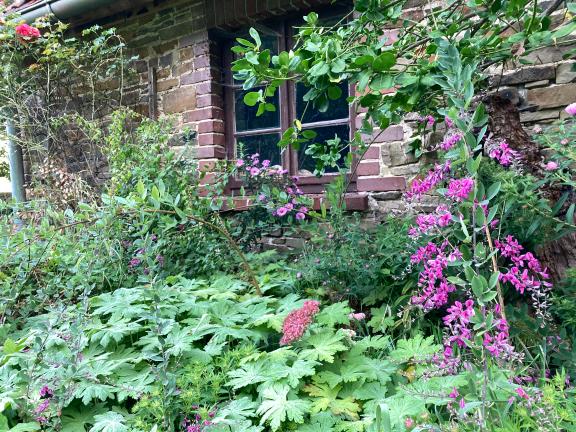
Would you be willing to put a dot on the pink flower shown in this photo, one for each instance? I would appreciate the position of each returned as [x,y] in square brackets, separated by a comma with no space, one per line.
[43,406]
[450,141]
[571,109]
[564,141]
[297,321]
[27,31]
[46,391]
[357,316]
[254,171]
[265,163]
[520,392]
[261,197]
[303,210]
[240,163]
[448,121]
[503,154]
[300,216]
[459,189]
[551,166]
[282,211]
[454,393]
[435,176]
[409,423]
[428,119]
[537,129]
[462,403]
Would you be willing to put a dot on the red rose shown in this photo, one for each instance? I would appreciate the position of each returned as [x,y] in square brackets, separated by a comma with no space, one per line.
[27,31]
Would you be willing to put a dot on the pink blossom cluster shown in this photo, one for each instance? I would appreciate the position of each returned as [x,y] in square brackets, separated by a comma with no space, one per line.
[197,424]
[503,154]
[450,141]
[297,321]
[526,274]
[428,119]
[434,177]
[359,316]
[434,285]
[255,168]
[427,222]
[26,31]
[497,343]
[457,321]
[46,393]
[459,189]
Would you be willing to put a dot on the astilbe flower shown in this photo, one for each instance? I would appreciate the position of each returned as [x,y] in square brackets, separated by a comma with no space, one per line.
[427,222]
[297,321]
[526,274]
[433,178]
[459,189]
[503,154]
[450,141]
[27,31]
[434,285]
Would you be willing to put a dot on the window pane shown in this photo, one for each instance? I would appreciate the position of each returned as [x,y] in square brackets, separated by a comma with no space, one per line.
[306,163]
[338,109]
[265,145]
[246,118]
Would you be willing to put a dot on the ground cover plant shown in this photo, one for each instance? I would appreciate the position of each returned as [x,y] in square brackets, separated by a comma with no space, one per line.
[151,309]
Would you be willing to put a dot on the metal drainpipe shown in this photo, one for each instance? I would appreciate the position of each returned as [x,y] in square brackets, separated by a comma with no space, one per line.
[61,9]
[16,164]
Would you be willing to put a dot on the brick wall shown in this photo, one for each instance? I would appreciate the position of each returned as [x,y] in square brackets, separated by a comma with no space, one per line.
[180,74]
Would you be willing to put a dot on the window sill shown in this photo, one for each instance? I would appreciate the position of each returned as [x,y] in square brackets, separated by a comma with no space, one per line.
[353,202]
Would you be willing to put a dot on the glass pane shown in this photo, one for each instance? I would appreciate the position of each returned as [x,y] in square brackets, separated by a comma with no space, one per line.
[337,109]
[306,163]
[246,118]
[265,145]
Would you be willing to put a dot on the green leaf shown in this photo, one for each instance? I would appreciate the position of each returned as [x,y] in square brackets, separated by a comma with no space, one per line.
[325,346]
[416,348]
[279,404]
[326,397]
[109,422]
[255,36]
[334,93]
[25,427]
[382,82]
[249,373]
[336,313]
[384,61]
[252,98]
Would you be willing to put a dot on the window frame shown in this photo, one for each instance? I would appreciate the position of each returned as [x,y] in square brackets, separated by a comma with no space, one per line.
[284,27]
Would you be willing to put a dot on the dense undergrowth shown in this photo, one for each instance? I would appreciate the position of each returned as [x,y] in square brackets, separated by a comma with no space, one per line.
[151,308]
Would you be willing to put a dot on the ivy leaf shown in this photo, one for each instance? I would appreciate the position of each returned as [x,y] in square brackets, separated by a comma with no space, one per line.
[324,347]
[416,348]
[277,407]
[109,422]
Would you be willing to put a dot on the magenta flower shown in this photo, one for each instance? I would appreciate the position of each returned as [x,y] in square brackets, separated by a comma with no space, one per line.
[520,392]
[43,406]
[459,189]
[571,109]
[551,166]
[450,141]
[297,321]
[303,210]
[462,403]
[429,120]
[448,122]
[46,391]
[134,262]
[254,171]
[454,393]
[240,163]
[503,154]
[300,216]
[282,211]
[435,176]
[261,197]
[265,163]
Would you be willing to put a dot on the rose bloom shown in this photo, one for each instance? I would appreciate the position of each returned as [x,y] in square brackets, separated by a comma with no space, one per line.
[27,31]
[571,109]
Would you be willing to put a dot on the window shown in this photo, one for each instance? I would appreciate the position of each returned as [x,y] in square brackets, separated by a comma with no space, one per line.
[261,134]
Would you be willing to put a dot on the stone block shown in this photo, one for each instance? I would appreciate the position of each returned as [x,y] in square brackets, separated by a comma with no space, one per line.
[524,75]
[179,100]
[527,117]
[566,73]
[550,97]
[534,84]
[395,154]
